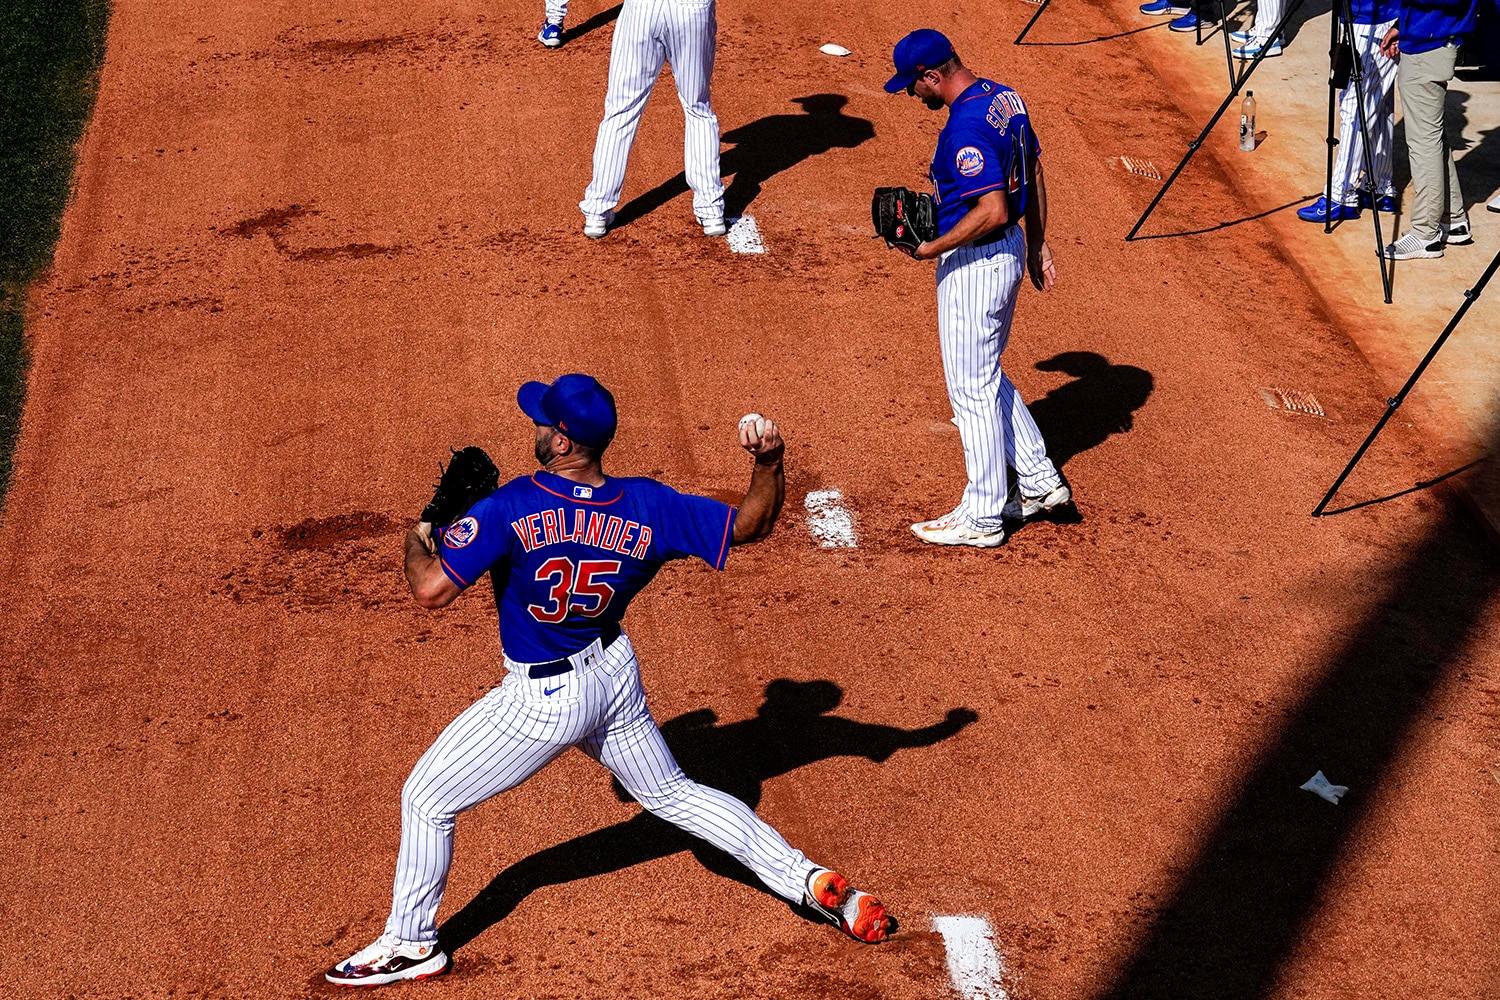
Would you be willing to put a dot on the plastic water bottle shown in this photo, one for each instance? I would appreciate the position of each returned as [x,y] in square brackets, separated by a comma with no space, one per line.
[1247,122]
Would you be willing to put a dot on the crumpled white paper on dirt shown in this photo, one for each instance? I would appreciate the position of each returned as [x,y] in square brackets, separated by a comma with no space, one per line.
[1323,788]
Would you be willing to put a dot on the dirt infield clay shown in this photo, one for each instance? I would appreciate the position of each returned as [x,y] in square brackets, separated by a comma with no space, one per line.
[314,245]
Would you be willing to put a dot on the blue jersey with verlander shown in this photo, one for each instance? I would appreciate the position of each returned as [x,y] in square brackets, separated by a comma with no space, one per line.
[566,559]
[985,147]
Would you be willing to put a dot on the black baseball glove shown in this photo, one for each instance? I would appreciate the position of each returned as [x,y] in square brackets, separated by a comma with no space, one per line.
[903,218]
[468,479]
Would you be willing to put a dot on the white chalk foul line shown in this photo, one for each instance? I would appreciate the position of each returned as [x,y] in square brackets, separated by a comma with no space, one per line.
[743,237]
[973,963]
[829,521]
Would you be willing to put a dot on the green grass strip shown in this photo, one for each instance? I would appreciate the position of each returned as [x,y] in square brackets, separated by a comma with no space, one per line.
[50,54]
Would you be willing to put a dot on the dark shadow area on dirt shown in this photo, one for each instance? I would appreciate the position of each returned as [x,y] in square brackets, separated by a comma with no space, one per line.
[599,20]
[791,729]
[763,149]
[1082,414]
[1241,908]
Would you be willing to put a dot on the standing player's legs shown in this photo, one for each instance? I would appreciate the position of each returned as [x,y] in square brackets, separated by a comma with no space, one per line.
[1349,161]
[691,33]
[635,60]
[557,11]
[1268,14]
[976,301]
[631,746]
[497,743]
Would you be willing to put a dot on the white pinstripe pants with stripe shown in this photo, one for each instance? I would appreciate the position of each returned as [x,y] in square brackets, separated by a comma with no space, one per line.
[648,33]
[976,289]
[516,729]
[1380,114]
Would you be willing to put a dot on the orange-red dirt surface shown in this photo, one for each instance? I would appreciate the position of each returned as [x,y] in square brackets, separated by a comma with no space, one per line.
[315,244]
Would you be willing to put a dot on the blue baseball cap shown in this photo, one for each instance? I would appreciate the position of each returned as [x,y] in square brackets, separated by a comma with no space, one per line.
[577,405]
[917,53]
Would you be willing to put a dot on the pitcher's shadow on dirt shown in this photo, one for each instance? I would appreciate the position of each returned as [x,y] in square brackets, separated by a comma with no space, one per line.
[1099,402]
[791,729]
[763,149]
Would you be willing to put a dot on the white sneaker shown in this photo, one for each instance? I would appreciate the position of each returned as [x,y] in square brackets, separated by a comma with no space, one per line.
[1455,234]
[388,960]
[595,226]
[1252,48]
[1493,204]
[714,227]
[1020,507]
[1411,246]
[951,530]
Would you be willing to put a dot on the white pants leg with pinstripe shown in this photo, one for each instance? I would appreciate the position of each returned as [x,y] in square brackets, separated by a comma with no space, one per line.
[1380,114]
[648,33]
[515,729]
[976,300]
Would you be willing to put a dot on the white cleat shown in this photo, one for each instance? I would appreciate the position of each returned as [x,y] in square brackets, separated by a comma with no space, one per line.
[595,226]
[1020,507]
[388,960]
[951,530]
[714,227]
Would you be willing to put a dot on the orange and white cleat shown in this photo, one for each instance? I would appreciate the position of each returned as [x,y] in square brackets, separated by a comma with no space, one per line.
[858,914]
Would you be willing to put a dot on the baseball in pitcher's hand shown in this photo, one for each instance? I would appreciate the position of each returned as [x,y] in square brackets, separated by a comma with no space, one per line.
[1042,267]
[762,438]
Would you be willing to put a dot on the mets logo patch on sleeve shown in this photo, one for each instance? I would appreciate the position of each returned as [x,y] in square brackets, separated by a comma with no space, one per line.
[461,533]
[970,161]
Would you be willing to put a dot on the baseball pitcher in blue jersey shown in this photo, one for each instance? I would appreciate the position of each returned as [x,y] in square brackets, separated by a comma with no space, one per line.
[566,549]
[991,221]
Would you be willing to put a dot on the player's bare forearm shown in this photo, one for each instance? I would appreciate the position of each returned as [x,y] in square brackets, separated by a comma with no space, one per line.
[1039,262]
[424,570]
[1036,209]
[762,504]
[988,214]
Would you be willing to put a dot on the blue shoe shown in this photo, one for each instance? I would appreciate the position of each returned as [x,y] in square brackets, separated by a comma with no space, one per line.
[550,35]
[1252,48]
[1385,203]
[1188,22]
[1158,7]
[1321,211]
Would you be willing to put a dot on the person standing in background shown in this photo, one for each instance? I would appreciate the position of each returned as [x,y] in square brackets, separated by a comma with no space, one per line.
[1425,40]
[1350,190]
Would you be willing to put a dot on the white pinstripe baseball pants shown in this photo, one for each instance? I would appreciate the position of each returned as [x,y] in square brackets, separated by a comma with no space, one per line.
[557,11]
[1380,114]
[515,729]
[648,33]
[976,288]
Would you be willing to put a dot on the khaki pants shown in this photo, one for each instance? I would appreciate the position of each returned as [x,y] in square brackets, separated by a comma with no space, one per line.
[1423,81]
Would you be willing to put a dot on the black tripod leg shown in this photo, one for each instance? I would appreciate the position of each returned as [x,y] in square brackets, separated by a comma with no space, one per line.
[1333,124]
[1224,30]
[1031,22]
[1395,401]
[1357,82]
